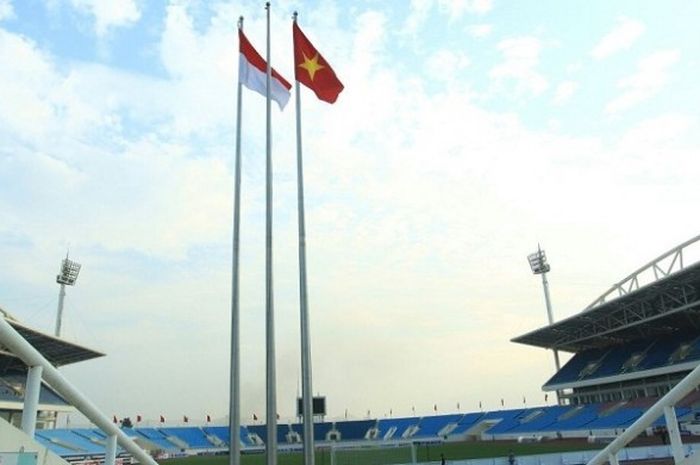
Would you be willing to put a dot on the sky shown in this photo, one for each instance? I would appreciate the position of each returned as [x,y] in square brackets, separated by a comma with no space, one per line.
[469,132]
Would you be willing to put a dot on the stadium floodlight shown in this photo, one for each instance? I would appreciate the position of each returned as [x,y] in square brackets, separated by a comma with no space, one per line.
[538,262]
[69,272]
[539,265]
[67,275]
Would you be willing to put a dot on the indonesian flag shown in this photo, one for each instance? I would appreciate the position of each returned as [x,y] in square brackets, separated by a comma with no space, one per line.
[252,73]
[312,70]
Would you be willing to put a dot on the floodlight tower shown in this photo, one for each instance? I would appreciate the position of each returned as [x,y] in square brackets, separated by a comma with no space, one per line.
[539,265]
[67,276]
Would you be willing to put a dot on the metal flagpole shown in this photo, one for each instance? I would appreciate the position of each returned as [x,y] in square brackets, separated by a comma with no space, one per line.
[306,389]
[234,411]
[271,404]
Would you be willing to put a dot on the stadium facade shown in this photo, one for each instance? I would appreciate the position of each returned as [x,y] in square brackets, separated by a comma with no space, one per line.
[630,346]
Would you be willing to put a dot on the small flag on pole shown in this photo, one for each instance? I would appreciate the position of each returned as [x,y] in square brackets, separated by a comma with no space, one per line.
[312,70]
[546,396]
[185,419]
[138,418]
[114,419]
[435,407]
[208,418]
[252,73]
[479,405]
[255,417]
[162,419]
[502,403]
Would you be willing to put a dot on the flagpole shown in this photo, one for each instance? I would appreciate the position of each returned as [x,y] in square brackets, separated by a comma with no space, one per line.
[234,411]
[271,400]
[306,389]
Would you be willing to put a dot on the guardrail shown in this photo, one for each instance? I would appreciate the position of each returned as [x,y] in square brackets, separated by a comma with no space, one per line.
[40,368]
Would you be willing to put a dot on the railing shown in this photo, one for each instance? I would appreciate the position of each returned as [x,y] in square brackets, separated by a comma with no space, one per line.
[661,267]
[40,368]
[664,406]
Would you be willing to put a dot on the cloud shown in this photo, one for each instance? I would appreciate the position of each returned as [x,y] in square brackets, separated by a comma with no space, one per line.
[446,65]
[6,10]
[564,91]
[625,33]
[651,76]
[109,14]
[480,30]
[420,10]
[521,57]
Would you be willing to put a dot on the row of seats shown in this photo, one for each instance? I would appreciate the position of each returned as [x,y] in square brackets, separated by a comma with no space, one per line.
[643,354]
[80,442]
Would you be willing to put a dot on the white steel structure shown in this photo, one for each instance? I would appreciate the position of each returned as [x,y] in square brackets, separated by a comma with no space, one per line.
[539,265]
[41,368]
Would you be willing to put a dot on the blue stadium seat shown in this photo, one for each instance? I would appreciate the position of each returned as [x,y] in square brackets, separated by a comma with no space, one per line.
[467,421]
[401,424]
[353,430]
[157,438]
[69,440]
[431,426]
[192,436]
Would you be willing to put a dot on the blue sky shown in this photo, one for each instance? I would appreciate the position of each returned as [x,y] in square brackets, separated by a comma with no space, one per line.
[468,132]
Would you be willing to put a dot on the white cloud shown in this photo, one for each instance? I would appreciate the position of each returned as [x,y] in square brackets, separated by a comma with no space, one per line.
[6,10]
[625,33]
[446,65]
[456,9]
[480,30]
[521,57]
[650,78]
[109,13]
[564,91]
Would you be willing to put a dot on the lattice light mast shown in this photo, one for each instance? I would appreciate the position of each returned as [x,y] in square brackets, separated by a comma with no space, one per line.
[66,276]
[539,265]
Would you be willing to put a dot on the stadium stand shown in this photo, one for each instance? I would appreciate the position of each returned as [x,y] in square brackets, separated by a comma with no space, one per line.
[193,437]
[69,440]
[466,422]
[157,438]
[354,430]
[261,432]
[321,430]
[394,428]
[432,426]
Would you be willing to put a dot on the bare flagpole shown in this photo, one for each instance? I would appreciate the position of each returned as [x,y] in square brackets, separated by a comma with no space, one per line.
[234,411]
[271,399]
[306,389]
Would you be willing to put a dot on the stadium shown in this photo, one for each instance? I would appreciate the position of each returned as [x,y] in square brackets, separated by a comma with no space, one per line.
[634,355]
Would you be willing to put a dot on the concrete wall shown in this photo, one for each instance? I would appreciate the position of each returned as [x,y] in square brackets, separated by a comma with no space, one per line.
[12,439]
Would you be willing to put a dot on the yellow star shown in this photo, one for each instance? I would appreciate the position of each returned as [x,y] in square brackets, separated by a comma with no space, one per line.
[311,65]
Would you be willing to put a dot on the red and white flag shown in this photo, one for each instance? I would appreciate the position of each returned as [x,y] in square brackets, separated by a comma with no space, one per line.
[252,73]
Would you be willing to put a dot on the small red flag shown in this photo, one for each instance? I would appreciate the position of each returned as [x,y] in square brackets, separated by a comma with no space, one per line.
[208,418]
[114,419]
[162,419]
[185,419]
[138,418]
[255,417]
[312,70]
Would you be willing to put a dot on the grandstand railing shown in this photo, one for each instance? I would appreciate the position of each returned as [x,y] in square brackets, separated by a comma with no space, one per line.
[40,368]
[661,267]
[664,406]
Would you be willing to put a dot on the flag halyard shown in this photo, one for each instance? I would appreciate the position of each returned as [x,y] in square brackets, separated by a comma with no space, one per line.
[312,70]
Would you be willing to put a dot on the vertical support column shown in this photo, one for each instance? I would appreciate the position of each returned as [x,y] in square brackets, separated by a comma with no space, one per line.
[31,399]
[414,455]
[612,458]
[111,450]
[59,312]
[674,435]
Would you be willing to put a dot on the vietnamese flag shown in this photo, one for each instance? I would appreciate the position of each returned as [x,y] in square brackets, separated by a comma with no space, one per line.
[312,70]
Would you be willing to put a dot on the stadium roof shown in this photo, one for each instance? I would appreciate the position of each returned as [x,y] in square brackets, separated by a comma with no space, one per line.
[57,351]
[670,303]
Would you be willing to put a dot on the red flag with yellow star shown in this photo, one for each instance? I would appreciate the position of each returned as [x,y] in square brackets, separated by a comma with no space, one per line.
[312,70]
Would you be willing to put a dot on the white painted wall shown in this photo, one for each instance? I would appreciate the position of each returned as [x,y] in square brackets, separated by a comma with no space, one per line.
[12,439]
